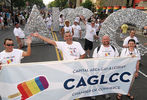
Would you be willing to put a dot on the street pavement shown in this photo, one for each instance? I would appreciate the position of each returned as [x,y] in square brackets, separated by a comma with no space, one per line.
[46,52]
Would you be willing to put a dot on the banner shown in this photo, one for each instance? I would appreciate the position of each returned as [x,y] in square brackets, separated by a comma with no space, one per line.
[66,80]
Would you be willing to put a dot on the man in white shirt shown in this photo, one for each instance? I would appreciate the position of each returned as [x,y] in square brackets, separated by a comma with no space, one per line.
[71,50]
[77,30]
[11,55]
[105,50]
[19,34]
[90,35]
[132,36]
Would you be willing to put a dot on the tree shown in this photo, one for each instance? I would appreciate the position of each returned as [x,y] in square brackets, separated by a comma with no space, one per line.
[72,3]
[88,4]
[132,3]
[37,2]
[18,3]
[52,4]
[59,3]
[101,4]
[127,4]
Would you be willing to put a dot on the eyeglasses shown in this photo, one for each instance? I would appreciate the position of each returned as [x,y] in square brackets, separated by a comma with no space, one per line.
[9,44]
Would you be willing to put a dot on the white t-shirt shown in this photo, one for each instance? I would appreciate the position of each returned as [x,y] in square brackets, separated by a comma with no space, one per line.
[77,30]
[90,32]
[13,57]
[48,20]
[105,52]
[1,19]
[128,38]
[19,32]
[67,29]
[61,22]
[97,26]
[70,52]
[125,52]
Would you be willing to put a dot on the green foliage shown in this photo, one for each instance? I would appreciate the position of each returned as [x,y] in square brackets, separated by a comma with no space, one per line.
[37,2]
[59,3]
[18,3]
[52,4]
[22,3]
[88,4]
[102,2]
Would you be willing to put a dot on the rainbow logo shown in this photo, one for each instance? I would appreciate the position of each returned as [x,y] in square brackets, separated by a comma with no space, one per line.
[32,87]
[107,54]
[9,61]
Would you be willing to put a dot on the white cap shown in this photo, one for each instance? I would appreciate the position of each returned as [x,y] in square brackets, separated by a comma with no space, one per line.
[77,21]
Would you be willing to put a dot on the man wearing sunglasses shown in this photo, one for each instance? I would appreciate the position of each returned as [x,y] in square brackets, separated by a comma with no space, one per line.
[11,55]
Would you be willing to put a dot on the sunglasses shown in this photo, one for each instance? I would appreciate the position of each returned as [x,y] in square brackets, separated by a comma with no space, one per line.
[9,44]
[131,53]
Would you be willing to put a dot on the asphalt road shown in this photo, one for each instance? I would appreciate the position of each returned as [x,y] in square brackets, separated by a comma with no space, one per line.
[46,52]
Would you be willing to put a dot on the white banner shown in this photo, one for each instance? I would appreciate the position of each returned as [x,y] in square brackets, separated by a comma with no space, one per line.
[66,80]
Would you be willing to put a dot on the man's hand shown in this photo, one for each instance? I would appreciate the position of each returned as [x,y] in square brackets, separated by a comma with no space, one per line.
[96,36]
[35,34]
[29,40]
[82,17]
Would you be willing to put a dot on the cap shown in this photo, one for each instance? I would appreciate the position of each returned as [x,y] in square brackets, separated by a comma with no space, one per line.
[76,21]
[66,21]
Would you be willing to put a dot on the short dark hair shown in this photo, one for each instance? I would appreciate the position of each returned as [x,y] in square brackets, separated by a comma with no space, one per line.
[61,15]
[131,40]
[7,39]
[132,29]
[89,20]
